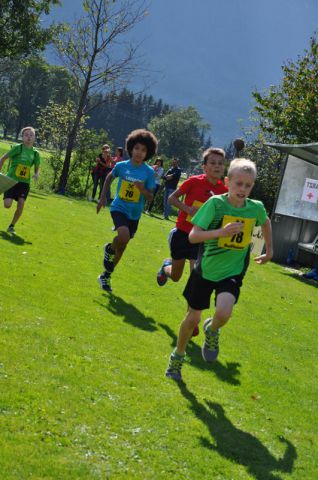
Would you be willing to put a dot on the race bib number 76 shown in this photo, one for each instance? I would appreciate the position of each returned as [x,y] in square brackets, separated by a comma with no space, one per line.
[239,240]
[129,192]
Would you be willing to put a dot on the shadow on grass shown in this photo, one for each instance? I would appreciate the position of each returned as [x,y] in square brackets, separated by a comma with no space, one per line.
[130,314]
[41,196]
[227,372]
[14,238]
[154,215]
[236,445]
[300,278]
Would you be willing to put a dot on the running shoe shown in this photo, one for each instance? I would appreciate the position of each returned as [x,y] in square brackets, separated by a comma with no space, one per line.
[161,275]
[109,257]
[210,347]
[10,229]
[174,368]
[104,282]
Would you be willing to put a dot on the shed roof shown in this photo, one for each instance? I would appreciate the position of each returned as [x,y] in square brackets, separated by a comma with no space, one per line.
[305,151]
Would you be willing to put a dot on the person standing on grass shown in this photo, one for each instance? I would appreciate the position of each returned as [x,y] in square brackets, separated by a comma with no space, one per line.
[22,157]
[159,171]
[119,156]
[136,182]
[171,178]
[100,171]
[223,226]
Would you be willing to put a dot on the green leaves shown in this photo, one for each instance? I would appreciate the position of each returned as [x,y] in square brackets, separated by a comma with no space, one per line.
[289,112]
[20,29]
[180,134]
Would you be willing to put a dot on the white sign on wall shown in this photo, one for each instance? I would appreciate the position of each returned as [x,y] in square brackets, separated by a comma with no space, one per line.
[310,190]
[289,201]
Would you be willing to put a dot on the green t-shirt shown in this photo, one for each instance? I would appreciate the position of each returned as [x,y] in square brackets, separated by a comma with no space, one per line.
[21,160]
[224,257]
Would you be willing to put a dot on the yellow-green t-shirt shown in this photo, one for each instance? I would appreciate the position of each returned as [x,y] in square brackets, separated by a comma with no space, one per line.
[225,257]
[22,159]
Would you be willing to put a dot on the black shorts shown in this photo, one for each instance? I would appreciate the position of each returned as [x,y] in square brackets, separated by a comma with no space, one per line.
[121,220]
[180,247]
[198,291]
[19,190]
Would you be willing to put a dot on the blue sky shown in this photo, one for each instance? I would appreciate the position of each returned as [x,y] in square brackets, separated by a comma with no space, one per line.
[212,53]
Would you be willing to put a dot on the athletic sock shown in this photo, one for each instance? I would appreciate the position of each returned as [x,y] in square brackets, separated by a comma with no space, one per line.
[175,354]
[110,249]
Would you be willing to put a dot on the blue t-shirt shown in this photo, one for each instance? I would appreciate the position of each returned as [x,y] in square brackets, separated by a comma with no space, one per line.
[129,200]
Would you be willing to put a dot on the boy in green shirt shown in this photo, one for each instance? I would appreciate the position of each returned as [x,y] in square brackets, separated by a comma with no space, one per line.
[223,226]
[22,158]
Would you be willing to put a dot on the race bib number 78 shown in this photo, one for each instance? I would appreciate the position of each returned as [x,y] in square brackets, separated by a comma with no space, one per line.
[239,240]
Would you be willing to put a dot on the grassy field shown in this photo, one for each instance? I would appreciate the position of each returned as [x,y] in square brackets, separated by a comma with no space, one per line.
[83,392]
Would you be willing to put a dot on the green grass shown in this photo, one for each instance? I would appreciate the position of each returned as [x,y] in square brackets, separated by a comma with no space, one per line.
[83,392]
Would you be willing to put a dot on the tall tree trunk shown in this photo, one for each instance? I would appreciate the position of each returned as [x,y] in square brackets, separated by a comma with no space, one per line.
[71,139]
[67,160]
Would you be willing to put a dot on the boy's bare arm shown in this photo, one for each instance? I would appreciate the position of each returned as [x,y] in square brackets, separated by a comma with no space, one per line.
[267,234]
[146,193]
[173,199]
[102,201]
[198,235]
[36,172]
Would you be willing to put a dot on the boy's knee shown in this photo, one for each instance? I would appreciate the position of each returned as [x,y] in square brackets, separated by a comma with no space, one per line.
[193,318]
[223,315]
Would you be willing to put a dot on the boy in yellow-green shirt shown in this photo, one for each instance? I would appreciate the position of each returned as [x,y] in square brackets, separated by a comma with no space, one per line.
[223,226]
[22,157]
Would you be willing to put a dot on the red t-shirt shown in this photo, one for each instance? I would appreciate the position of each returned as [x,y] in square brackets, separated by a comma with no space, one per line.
[197,190]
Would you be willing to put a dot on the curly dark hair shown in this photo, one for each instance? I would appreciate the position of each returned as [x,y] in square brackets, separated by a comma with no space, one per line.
[145,138]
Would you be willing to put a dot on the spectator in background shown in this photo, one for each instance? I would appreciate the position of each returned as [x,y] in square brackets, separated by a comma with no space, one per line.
[100,171]
[119,155]
[159,171]
[171,178]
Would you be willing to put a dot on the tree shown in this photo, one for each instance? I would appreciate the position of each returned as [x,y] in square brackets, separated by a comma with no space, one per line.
[180,134]
[28,85]
[289,112]
[20,28]
[96,55]
[268,162]
[124,112]
[55,123]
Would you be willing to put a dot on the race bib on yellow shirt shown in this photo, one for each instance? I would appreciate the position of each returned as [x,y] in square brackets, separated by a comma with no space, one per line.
[22,171]
[239,240]
[129,192]
[197,204]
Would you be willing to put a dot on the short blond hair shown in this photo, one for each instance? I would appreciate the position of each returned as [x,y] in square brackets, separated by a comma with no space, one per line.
[242,165]
[27,128]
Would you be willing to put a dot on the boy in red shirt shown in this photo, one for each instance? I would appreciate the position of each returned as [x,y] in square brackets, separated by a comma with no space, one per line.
[196,191]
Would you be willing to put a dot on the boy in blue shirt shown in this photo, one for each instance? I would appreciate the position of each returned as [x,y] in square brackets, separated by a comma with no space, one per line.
[136,182]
